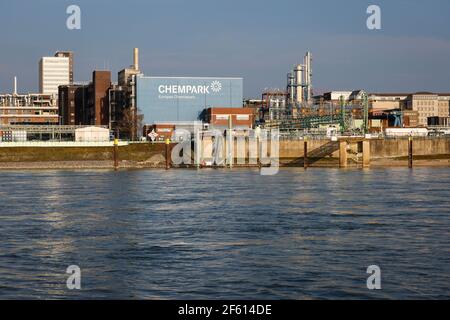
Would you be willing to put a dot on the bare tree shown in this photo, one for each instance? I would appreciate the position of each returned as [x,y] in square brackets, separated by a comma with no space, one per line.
[130,124]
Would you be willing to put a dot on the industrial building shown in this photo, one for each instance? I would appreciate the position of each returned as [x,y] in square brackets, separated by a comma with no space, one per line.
[352,111]
[222,118]
[32,108]
[160,131]
[53,72]
[162,104]
[100,102]
[282,105]
[299,83]
[160,99]
[72,103]
[170,99]
[86,104]
[429,105]
[393,109]
[67,54]
[28,109]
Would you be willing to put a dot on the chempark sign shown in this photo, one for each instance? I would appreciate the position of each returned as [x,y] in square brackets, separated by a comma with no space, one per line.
[165,99]
[215,87]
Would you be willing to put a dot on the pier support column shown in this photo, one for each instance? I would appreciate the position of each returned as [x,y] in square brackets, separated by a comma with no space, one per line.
[207,149]
[253,150]
[229,149]
[116,154]
[116,150]
[305,153]
[366,153]
[168,155]
[240,147]
[343,154]
[410,152]
[198,149]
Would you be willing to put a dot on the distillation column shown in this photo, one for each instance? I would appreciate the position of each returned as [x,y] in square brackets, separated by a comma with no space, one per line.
[298,74]
[307,61]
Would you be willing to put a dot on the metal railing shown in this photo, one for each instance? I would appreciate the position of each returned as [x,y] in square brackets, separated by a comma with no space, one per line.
[44,128]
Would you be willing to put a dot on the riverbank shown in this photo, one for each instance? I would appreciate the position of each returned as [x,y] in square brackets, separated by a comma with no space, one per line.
[321,153]
[159,163]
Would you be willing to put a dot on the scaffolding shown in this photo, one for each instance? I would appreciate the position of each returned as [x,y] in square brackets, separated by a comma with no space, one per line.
[306,122]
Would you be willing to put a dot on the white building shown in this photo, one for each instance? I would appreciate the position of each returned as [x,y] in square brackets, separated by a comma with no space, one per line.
[92,134]
[53,72]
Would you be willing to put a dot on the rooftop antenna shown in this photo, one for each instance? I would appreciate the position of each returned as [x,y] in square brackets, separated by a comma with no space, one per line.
[15,86]
[136,59]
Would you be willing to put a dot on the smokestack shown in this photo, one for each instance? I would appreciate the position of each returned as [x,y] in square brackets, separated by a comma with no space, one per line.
[15,86]
[136,58]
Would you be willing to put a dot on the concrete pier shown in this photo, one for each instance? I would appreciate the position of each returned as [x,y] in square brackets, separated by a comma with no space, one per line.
[343,154]
[366,153]
[253,151]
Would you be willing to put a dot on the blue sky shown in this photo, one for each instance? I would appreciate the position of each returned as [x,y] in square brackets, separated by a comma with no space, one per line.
[257,40]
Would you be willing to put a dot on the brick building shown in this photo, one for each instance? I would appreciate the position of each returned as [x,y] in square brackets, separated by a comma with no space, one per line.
[241,118]
[72,104]
[82,104]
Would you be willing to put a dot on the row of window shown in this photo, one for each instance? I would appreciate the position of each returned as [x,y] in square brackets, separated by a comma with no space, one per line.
[425,103]
[27,112]
[24,120]
[425,108]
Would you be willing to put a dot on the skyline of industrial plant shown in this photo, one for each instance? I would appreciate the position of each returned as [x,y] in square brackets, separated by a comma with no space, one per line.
[246,40]
[224,158]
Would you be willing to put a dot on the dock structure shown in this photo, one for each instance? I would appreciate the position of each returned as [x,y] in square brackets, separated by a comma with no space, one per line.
[362,144]
[343,154]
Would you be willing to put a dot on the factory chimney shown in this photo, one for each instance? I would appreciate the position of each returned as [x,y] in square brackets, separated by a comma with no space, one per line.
[136,59]
[15,86]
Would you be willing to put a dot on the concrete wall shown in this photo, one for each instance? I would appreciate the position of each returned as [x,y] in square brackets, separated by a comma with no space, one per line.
[389,148]
[320,152]
[392,148]
[326,151]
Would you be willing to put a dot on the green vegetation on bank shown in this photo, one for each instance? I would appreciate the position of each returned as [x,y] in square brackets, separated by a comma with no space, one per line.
[132,152]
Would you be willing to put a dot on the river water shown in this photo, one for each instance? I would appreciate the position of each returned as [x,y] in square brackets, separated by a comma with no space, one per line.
[225,234]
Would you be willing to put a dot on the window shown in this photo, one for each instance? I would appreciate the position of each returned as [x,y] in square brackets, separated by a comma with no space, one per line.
[243,117]
[222,116]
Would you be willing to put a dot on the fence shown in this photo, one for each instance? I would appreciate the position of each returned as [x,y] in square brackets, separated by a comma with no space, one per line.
[62,144]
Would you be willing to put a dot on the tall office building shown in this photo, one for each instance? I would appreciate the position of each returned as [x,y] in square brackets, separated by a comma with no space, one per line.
[53,72]
[67,54]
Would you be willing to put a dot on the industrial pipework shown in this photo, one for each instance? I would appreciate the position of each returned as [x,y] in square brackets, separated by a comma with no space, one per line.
[300,81]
